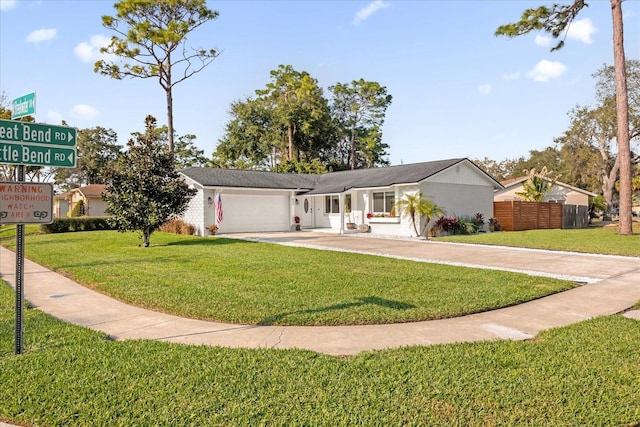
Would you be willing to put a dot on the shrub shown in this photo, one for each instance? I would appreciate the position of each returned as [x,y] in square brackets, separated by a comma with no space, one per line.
[448,224]
[64,225]
[177,226]
[78,210]
[494,225]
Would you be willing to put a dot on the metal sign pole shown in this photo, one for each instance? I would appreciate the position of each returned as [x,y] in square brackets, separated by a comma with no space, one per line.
[19,277]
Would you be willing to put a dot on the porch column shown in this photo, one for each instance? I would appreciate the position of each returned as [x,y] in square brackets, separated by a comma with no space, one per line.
[341,204]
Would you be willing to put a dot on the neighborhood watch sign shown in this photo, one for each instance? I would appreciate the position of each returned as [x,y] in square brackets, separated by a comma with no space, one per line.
[26,203]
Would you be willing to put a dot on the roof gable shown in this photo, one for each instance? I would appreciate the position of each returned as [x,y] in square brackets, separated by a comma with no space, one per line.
[509,184]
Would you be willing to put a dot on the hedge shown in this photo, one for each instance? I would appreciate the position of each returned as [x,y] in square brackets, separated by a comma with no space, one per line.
[64,225]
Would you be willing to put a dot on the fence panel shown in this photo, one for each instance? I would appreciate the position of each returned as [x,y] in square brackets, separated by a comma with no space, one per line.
[517,215]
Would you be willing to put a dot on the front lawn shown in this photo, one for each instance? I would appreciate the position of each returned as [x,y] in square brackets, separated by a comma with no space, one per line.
[597,240]
[587,374]
[237,281]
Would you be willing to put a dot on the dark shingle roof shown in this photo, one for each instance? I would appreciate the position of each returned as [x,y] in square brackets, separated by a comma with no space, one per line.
[338,182]
[217,177]
[329,183]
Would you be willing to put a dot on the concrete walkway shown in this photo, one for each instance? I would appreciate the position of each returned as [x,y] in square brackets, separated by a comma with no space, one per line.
[612,285]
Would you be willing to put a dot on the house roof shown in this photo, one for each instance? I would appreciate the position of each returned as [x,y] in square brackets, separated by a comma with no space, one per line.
[513,182]
[329,183]
[88,191]
[92,190]
[219,177]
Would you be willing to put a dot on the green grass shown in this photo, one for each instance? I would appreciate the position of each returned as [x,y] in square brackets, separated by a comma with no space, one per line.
[600,240]
[584,374]
[244,282]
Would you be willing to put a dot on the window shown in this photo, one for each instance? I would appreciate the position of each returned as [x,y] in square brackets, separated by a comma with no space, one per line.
[332,204]
[383,202]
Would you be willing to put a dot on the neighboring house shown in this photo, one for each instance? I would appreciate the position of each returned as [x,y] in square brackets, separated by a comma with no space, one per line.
[559,193]
[254,201]
[91,196]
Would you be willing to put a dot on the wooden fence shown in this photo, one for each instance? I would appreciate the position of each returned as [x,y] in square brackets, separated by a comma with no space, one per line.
[516,215]
[575,216]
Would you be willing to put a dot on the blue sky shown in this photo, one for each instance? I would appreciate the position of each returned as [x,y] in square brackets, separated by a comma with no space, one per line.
[458,91]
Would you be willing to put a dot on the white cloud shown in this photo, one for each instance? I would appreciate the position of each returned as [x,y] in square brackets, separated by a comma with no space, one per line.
[512,76]
[366,12]
[541,40]
[54,117]
[8,4]
[484,89]
[582,30]
[90,52]
[41,35]
[546,70]
[83,111]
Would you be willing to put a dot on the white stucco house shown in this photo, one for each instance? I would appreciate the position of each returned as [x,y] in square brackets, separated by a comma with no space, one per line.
[259,201]
[559,192]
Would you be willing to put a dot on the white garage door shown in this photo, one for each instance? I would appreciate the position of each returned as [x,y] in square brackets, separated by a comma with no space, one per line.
[246,213]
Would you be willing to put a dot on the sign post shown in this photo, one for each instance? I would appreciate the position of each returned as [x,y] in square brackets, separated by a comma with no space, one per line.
[23,143]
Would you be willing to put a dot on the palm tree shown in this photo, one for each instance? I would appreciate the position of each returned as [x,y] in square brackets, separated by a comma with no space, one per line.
[415,206]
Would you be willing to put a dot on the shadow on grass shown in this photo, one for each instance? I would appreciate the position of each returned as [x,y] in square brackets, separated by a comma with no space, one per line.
[391,304]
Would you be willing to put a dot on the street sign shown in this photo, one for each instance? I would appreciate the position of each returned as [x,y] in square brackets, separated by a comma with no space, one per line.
[26,203]
[12,131]
[37,155]
[23,106]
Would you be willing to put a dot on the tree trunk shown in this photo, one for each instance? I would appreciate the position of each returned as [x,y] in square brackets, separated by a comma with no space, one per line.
[622,116]
[609,183]
[290,132]
[146,238]
[170,119]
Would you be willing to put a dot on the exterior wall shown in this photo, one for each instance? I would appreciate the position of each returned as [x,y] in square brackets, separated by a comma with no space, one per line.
[95,207]
[461,200]
[194,214]
[558,194]
[60,208]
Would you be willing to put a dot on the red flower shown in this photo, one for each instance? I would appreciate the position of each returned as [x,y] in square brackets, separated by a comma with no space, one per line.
[369,215]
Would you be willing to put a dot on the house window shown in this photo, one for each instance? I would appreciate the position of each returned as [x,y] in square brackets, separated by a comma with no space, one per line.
[332,204]
[383,202]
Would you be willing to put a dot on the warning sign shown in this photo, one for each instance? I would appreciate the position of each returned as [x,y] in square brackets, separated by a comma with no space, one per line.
[26,203]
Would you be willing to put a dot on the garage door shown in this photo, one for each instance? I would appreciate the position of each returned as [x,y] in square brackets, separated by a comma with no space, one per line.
[246,213]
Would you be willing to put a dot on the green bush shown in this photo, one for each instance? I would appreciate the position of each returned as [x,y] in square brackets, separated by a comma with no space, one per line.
[64,225]
[78,210]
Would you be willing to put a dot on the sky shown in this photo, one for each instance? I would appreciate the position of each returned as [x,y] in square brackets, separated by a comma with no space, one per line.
[458,90]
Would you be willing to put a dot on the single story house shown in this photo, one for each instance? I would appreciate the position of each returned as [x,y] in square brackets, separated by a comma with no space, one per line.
[90,195]
[559,193]
[257,201]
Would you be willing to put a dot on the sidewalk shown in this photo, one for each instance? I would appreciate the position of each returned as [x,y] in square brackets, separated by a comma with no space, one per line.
[612,285]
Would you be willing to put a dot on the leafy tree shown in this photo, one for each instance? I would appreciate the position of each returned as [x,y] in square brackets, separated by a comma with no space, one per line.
[555,21]
[96,148]
[359,110]
[144,189]
[297,108]
[537,185]
[249,140]
[154,33]
[416,206]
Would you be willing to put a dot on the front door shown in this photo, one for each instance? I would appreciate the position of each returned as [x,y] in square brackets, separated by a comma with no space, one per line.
[307,212]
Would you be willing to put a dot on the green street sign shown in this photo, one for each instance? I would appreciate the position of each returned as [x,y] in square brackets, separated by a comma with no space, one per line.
[12,131]
[37,155]
[23,106]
